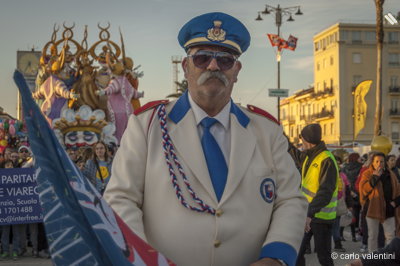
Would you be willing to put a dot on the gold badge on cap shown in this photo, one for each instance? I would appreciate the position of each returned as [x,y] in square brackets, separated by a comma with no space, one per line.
[216,33]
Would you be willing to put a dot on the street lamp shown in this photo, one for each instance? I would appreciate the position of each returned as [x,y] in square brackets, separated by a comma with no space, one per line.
[279,14]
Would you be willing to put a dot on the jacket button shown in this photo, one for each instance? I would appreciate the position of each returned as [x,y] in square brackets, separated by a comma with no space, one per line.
[219,212]
[217,243]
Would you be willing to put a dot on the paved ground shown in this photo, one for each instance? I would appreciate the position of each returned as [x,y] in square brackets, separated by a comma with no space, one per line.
[352,250]
[311,259]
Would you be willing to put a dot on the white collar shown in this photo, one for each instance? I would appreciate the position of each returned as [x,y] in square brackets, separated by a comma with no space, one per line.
[222,117]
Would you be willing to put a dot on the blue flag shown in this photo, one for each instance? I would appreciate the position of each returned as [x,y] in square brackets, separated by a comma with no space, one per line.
[81,227]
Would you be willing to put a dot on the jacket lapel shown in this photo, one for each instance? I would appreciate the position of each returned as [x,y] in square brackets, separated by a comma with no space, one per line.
[186,141]
[243,143]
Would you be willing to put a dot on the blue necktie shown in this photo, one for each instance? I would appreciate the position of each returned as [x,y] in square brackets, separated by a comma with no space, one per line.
[216,163]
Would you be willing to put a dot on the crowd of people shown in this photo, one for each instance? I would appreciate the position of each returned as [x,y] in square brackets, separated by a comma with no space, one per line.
[95,164]
[362,192]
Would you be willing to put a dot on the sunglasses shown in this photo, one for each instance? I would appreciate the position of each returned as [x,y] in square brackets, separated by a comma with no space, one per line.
[202,59]
[24,151]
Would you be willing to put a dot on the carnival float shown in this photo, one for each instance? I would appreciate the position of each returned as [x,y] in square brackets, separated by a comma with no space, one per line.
[87,93]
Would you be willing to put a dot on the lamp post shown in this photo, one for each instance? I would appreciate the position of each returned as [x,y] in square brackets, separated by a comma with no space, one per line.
[279,12]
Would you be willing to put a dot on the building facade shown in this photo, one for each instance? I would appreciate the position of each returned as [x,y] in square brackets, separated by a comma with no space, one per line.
[344,55]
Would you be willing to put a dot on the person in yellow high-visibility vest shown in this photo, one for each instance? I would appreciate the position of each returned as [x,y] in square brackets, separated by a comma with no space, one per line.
[319,184]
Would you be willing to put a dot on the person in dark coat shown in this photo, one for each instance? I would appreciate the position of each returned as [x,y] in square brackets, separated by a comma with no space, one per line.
[352,170]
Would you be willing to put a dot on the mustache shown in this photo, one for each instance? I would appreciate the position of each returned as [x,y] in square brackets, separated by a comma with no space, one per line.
[212,74]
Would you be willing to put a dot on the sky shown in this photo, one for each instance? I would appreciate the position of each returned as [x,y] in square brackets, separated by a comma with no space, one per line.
[150,29]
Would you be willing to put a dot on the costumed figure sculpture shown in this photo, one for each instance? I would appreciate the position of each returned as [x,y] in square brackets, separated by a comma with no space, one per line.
[86,86]
[132,74]
[103,74]
[83,127]
[119,92]
[55,91]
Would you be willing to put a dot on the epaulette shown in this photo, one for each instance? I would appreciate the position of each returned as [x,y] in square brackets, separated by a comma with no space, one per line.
[262,112]
[149,106]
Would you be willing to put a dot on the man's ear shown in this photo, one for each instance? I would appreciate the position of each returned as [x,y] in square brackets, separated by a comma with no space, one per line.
[185,65]
[238,67]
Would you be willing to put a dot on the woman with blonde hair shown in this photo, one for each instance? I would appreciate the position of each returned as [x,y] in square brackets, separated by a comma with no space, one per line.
[380,197]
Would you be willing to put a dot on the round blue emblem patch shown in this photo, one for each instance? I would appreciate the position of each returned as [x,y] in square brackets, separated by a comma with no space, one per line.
[267,190]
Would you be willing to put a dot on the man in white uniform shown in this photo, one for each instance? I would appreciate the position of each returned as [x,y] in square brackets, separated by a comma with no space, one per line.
[201,179]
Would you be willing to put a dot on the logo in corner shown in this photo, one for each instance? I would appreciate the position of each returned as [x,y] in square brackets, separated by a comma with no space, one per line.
[267,190]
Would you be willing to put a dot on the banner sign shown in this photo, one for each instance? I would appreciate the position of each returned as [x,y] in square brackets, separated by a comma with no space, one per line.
[19,199]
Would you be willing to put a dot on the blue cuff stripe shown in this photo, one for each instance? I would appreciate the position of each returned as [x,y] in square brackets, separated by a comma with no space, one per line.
[280,250]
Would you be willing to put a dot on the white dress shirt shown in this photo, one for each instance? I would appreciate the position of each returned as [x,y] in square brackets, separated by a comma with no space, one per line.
[220,131]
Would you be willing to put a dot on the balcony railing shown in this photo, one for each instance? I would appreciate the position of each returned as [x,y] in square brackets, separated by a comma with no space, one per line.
[325,92]
[394,112]
[291,119]
[323,114]
[306,117]
[394,90]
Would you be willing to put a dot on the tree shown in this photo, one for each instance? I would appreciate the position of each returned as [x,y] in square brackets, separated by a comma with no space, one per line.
[182,87]
[379,45]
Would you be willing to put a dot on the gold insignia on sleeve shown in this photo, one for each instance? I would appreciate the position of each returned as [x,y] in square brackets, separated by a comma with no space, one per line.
[216,33]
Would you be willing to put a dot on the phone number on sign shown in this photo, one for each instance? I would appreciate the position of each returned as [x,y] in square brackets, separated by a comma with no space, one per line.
[16,210]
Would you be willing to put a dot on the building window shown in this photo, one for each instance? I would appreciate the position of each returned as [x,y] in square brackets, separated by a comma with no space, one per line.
[284,114]
[395,130]
[318,66]
[356,80]
[331,60]
[370,36]
[331,85]
[357,58]
[344,35]
[356,36]
[332,129]
[324,133]
[393,81]
[393,37]
[393,59]
[394,105]
[316,46]
[324,85]
[331,38]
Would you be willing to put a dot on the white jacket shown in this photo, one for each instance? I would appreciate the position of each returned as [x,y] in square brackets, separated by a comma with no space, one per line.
[250,219]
